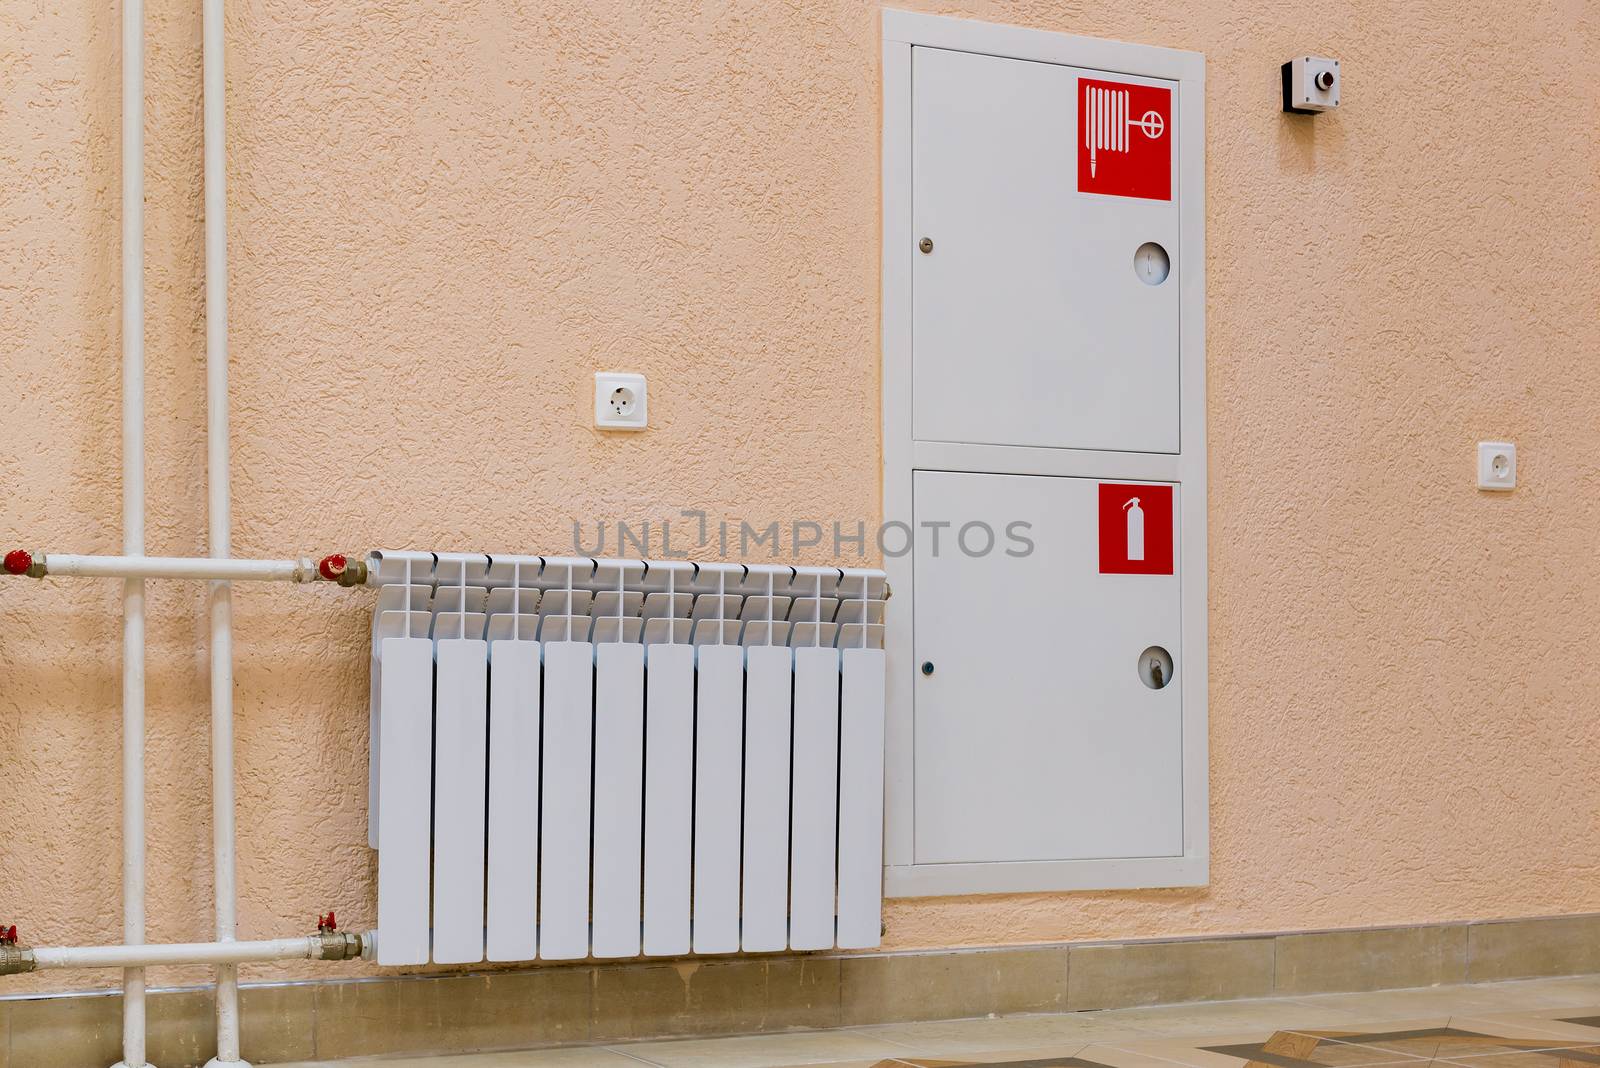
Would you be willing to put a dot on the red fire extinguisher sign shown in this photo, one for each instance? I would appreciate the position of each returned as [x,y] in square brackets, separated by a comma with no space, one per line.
[1135,528]
[1124,139]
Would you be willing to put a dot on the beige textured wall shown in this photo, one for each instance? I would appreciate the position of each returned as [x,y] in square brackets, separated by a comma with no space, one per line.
[444,217]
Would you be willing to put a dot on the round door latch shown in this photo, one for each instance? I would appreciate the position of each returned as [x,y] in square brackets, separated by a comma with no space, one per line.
[1155,667]
[927,667]
[1151,263]
[926,245]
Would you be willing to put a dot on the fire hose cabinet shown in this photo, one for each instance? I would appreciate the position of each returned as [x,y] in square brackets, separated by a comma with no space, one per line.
[1043,411]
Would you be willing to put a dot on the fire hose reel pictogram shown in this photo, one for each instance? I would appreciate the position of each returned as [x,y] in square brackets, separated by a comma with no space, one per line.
[1125,143]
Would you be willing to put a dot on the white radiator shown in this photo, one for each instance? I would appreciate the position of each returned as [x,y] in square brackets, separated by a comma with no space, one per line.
[611,758]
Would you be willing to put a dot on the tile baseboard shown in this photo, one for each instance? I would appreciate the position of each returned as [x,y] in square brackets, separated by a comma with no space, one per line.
[572,1004]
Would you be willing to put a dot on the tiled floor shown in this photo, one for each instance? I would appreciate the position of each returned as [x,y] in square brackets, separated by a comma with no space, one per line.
[1542,1023]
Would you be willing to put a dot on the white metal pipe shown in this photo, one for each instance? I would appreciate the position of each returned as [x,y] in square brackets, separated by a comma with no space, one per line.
[218,510]
[303,569]
[150,956]
[133,460]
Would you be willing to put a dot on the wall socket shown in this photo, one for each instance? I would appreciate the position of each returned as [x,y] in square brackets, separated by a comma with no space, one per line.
[621,401]
[1497,465]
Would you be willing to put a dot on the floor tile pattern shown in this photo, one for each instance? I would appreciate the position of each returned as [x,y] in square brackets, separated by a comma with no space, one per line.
[1546,1023]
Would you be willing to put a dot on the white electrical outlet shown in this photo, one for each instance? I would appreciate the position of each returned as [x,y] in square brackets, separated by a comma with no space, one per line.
[621,401]
[1497,465]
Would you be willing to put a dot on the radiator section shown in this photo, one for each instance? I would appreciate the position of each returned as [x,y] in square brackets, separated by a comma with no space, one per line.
[614,758]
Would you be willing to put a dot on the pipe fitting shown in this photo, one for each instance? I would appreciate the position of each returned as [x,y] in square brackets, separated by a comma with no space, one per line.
[23,562]
[337,945]
[16,960]
[341,568]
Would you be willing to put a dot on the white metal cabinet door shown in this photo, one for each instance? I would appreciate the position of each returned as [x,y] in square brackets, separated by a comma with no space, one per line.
[1035,737]
[1030,325]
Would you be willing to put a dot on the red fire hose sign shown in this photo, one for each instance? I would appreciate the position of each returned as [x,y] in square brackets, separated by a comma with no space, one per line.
[1135,529]
[1124,139]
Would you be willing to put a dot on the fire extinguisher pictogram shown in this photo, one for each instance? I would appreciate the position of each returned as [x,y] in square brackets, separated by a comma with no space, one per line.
[1135,529]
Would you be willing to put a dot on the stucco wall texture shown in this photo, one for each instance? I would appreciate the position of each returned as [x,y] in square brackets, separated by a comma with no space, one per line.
[445,217]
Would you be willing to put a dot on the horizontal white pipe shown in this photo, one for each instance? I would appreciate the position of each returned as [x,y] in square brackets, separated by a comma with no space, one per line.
[180,567]
[307,947]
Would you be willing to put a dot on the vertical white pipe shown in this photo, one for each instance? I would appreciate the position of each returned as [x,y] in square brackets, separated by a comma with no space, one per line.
[133,1004]
[220,527]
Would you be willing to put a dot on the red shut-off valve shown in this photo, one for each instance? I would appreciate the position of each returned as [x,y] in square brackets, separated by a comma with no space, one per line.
[18,562]
[8,935]
[338,567]
[327,924]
